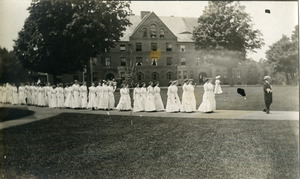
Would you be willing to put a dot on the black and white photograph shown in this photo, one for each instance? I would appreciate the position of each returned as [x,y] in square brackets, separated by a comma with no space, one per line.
[149,89]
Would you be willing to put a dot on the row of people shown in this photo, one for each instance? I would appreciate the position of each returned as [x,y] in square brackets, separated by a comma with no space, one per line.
[102,96]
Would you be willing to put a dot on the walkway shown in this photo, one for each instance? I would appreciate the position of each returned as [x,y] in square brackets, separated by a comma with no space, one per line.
[44,113]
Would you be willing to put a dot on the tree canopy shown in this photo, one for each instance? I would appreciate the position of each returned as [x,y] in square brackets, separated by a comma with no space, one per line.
[283,55]
[60,37]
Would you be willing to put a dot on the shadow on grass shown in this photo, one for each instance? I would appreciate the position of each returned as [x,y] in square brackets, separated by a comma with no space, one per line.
[102,146]
[7,114]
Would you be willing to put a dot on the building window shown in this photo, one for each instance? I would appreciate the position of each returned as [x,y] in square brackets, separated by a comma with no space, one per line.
[140,76]
[169,75]
[95,76]
[162,33]
[198,60]
[154,61]
[179,75]
[182,48]
[154,46]
[144,32]
[107,61]
[138,47]
[183,61]
[155,76]
[168,47]
[191,74]
[169,60]
[238,74]
[153,31]
[123,75]
[123,61]
[139,61]
[122,47]
[185,74]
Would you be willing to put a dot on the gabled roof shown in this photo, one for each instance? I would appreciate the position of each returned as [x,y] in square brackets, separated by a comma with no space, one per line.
[181,27]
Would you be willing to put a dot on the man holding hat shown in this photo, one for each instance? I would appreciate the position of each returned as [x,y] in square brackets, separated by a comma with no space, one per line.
[267,94]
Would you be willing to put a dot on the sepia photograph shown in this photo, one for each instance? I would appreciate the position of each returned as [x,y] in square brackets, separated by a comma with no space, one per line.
[149,89]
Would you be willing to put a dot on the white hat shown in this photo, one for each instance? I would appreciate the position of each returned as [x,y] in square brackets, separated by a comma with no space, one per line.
[218,76]
[267,77]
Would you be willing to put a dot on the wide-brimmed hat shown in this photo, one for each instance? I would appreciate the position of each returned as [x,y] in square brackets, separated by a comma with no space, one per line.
[218,76]
[186,80]
[267,77]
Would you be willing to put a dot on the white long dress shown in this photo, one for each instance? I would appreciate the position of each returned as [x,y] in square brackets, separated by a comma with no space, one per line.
[159,106]
[22,95]
[41,96]
[60,97]
[111,97]
[143,97]
[184,98]
[83,96]
[99,95]
[53,101]
[173,101]
[92,97]
[35,95]
[125,102]
[137,100]
[150,104]
[189,99]
[68,97]
[76,98]
[104,98]
[218,89]
[15,97]
[208,101]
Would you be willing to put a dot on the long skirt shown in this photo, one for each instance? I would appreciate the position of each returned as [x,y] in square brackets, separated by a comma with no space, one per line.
[208,102]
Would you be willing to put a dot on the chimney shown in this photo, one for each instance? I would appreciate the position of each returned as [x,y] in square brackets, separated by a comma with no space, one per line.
[144,13]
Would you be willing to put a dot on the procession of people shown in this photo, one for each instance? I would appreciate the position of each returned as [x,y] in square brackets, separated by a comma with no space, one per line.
[101,97]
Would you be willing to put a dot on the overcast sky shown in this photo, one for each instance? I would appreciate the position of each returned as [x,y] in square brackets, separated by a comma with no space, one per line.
[281,20]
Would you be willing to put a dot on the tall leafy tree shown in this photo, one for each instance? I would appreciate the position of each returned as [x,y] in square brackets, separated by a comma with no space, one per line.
[225,30]
[283,56]
[61,36]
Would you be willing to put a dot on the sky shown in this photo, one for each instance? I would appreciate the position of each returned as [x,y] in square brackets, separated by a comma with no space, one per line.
[282,19]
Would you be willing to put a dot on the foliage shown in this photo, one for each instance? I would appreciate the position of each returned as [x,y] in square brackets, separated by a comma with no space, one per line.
[225,30]
[60,37]
[283,56]
[11,69]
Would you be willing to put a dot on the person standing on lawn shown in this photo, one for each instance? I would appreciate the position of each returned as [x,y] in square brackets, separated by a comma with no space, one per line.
[208,104]
[173,101]
[218,89]
[143,95]
[157,98]
[267,94]
[184,99]
[137,103]
[150,104]
[111,97]
[83,95]
[92,97]
[124,103]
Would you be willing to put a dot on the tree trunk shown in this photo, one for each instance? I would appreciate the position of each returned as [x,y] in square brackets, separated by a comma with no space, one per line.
[88,73]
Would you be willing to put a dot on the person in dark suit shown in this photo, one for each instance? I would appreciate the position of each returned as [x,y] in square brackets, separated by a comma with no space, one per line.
[267,94]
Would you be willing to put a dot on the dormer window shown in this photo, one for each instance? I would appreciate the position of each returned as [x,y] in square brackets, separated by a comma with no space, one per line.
[162,33]
[153,30]
[144,32]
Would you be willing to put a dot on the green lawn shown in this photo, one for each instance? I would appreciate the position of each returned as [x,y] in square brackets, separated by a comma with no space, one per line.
[98,146]
[285,98]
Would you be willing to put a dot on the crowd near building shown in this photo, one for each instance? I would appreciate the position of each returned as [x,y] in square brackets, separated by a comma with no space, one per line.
[158,49]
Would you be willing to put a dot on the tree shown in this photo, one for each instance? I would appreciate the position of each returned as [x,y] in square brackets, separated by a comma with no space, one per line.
[11,69]
[225,28]
[283,56]
[61,36]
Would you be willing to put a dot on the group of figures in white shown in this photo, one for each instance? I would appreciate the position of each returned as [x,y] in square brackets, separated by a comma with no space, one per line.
[101,97]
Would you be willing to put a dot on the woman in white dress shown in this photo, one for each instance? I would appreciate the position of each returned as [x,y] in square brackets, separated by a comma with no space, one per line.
[104,97]
[143,95]
[190,96]
[173,101]
[111,97]
[159,106]
[83,95]
[41,96]
[92,97]
[99,94]
[35,94]
[124,103]
[150,104]
[184,99]
[68,96]
[218,89]
[208,104]
[53,101]
[22,94]
[15,96]
[137,102]
[76,98]
[60,96]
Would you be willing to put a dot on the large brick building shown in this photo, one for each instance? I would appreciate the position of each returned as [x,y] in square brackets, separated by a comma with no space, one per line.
[158,49]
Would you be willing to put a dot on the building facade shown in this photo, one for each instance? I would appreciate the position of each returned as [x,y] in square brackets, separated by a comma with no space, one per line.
[156,49]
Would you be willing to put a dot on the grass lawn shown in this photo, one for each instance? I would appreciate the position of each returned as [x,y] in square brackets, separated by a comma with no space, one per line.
[285,98]
[7,114]
[98,146]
